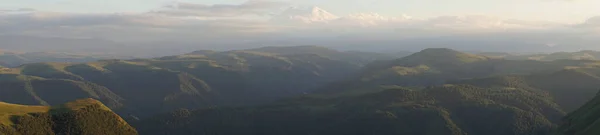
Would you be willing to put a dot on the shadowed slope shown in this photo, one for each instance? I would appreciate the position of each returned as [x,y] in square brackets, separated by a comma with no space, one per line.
[584,121]
[447,110]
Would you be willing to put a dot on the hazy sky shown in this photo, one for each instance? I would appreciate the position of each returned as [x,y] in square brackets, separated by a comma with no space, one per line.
[545,22]
[551,10]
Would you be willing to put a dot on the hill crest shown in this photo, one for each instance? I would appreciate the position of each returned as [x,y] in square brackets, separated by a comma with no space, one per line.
[440,56]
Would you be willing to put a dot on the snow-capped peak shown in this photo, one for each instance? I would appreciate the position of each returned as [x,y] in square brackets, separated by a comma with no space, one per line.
[307,15]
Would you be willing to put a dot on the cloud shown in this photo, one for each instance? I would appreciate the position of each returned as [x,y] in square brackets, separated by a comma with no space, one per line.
[257,20]
[251,7]
[16,10]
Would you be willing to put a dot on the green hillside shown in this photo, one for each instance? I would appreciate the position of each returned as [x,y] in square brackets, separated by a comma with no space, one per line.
[570,88]
[81,117]
[447,110]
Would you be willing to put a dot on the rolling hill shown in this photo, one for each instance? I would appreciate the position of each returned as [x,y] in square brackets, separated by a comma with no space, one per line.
[82,117]
[570,88]
[569,82]
[356,57]
[199,79]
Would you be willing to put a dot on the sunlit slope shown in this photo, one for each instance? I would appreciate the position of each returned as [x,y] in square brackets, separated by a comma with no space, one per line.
[83,117]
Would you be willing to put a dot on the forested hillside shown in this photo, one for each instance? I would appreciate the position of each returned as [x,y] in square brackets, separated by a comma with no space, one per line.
[445,110]
[584,121]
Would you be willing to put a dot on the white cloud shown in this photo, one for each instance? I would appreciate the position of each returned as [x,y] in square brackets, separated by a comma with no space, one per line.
[251,7]
[256,18]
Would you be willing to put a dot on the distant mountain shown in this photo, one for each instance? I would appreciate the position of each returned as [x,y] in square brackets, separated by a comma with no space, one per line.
[82,117]
[446,110]
[439,57]
[305,15]
[357,57]
[581,55]
[14,59]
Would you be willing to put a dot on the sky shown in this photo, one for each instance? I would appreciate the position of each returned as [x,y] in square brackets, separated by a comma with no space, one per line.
[550,10]
[552,23]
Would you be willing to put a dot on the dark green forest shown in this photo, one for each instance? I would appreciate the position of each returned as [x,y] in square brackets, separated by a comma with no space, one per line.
[444,110]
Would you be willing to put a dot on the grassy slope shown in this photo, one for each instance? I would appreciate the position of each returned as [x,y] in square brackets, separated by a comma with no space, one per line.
[85,117]
[7,110]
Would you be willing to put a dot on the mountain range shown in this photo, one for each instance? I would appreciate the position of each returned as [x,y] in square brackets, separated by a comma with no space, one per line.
[316,90]
[580,55]
[195,80]
[14,59]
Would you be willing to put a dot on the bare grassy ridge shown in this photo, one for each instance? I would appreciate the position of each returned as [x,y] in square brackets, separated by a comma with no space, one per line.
[9,110]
